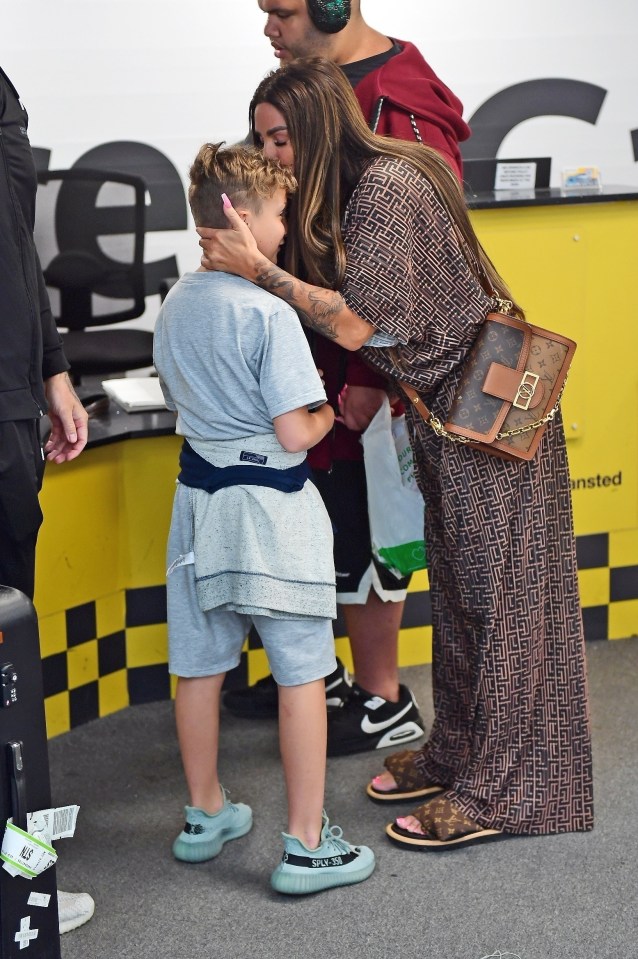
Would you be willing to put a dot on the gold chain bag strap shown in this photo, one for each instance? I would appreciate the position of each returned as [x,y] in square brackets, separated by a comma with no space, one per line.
[511,387]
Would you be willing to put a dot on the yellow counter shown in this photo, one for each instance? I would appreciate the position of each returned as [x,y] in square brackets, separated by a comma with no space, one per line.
[100,572]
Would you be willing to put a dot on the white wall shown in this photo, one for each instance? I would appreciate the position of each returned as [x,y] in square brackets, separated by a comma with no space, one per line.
[174,73]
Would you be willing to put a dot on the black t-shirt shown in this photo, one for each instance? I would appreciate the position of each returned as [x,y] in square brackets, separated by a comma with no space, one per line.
[355,72]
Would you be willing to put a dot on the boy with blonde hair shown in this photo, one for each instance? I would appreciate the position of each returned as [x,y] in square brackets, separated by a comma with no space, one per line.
[250,540]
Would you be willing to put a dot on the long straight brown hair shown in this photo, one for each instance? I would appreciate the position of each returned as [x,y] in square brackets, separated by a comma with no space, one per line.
[332,146]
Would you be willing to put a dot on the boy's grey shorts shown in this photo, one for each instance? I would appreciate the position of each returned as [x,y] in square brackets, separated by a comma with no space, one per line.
[208,643]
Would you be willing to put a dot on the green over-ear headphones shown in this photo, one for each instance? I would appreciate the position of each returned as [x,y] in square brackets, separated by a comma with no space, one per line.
[329,16]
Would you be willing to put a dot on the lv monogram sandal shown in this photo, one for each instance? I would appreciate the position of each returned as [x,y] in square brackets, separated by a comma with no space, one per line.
[409,779]
[444,827]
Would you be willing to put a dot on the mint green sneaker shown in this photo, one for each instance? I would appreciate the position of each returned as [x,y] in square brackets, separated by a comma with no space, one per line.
[333,863]
[204,835]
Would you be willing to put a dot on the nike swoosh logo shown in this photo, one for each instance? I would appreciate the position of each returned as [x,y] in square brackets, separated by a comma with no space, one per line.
[369,727]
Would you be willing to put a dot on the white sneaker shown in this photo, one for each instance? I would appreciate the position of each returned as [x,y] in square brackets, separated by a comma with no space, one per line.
[74,909]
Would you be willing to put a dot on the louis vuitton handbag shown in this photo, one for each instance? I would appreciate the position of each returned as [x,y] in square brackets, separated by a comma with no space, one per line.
[512,383]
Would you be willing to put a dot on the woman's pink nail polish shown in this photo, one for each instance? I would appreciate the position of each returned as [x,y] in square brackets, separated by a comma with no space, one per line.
[226,202]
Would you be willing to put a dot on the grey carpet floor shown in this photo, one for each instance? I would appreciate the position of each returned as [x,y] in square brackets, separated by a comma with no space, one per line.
[564,897]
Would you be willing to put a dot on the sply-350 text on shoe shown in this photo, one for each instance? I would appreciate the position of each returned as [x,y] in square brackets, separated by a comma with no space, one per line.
[334,862]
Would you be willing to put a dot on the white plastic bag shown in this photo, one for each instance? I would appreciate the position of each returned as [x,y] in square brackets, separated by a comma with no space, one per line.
[395,504]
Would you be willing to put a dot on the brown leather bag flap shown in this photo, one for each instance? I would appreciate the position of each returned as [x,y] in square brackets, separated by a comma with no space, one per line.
[513,385]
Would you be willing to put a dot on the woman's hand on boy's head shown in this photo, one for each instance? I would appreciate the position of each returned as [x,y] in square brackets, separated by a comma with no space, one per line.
[231,251]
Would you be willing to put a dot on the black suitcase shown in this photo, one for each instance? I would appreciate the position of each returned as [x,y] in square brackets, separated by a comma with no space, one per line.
[23,742]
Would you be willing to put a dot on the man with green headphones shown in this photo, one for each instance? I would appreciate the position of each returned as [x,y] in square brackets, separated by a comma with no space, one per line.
[400,96]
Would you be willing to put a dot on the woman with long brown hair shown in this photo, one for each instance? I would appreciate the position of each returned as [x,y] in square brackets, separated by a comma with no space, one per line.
[381,256]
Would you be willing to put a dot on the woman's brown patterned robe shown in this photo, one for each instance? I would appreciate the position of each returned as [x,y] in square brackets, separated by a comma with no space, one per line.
[511,737]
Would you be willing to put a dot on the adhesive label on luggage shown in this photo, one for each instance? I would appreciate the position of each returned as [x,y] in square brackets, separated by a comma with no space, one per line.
[51,824]
[25,934]
[41,899]
[24,854]
[64,821]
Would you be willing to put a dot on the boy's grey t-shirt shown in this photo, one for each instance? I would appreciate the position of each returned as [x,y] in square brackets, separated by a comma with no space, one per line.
[231,357]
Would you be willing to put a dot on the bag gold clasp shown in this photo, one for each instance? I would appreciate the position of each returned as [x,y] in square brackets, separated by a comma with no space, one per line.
[526,390]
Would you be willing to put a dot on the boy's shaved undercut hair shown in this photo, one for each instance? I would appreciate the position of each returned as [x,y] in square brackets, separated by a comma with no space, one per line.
[244,174]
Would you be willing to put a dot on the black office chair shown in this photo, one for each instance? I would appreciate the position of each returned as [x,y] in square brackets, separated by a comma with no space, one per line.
[94,289]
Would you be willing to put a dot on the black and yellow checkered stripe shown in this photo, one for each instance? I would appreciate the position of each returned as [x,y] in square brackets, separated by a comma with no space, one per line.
[112,652]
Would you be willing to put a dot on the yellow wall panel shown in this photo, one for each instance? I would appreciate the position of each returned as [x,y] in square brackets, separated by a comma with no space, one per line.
[148,487]
[110,613]
[57,714]
[623,619]
[82,664]
[78,547]
[52,634]
[415,646]
[342,649]
[146,645]
[623,548]
[113,692]
[257,665]
[594,586]
[419,581]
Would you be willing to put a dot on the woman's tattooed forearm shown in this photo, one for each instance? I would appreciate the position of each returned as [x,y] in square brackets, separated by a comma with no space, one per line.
[276,281]
[316,308]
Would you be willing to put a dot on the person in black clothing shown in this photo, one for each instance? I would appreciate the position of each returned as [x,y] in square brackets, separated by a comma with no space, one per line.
[33,381]
[33,368]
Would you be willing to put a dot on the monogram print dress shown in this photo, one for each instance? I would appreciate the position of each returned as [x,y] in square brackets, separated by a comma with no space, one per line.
[511,737]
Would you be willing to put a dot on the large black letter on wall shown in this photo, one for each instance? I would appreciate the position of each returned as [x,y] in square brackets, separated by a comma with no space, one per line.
[167,210]
[495,118]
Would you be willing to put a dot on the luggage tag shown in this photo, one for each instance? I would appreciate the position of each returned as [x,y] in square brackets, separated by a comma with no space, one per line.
[24,854]
[28,853]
